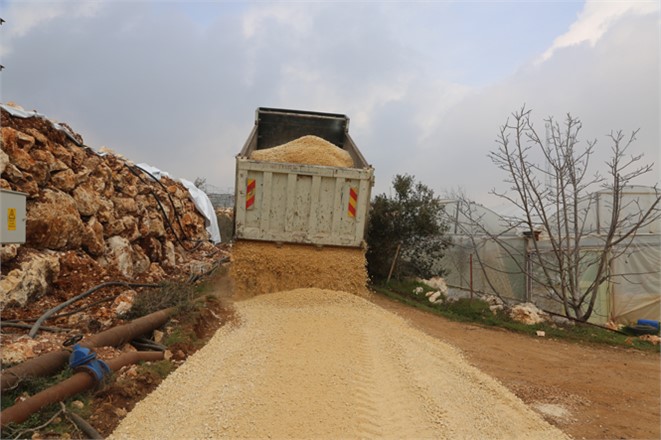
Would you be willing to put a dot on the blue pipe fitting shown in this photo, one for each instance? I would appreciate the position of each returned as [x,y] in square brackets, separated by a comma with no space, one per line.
[84,359]
[80,356]
[97,368]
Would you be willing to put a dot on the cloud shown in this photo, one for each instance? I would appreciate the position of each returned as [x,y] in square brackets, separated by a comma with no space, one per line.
[22,20]
[611,86]
[425,87]
[257,20]
[595,20]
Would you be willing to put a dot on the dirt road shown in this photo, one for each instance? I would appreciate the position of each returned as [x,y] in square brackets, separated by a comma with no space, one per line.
[590,392]
[321,364]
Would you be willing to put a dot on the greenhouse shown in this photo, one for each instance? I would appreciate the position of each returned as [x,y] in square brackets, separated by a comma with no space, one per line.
[491,255]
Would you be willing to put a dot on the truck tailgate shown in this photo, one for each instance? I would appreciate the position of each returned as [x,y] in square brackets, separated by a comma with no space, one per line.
[296,203]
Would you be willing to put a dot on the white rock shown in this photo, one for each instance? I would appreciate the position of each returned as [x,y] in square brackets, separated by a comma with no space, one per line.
[435,296]
[8,252]
[32,280]
[4,161]
[527,313]
[158,336]
[120,255]
[122,308]
[170,255]
[19,350]
[437,283]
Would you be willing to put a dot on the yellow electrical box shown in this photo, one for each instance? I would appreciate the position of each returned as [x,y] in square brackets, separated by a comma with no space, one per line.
[12,217]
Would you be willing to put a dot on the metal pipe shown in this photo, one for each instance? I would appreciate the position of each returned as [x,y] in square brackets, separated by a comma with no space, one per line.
[122,334]
[471,275]
[52,362]
[35,327]
[44,365]
[76,384]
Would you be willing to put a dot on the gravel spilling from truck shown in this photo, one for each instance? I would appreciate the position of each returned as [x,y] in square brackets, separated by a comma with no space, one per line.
[313,363]
[262,267]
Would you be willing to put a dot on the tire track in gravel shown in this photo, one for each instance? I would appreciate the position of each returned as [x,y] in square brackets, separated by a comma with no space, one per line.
[383,391]
[311,363]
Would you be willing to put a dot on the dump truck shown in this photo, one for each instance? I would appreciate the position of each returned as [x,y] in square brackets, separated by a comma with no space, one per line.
[287,209]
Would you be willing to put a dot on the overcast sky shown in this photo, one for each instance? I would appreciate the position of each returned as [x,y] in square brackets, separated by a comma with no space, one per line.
[426,84]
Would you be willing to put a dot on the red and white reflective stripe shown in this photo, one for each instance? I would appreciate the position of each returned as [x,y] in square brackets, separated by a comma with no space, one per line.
[250,193]
[353,201]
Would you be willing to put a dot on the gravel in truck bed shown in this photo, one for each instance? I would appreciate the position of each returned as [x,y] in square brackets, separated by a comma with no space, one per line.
[310,150]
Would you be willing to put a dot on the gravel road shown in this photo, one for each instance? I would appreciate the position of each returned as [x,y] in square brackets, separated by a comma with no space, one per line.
[312,363]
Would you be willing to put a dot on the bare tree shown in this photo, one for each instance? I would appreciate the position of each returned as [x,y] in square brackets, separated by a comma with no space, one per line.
[550,184]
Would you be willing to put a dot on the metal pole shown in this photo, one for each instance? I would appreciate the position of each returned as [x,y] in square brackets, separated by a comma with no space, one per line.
[394,260]
[471,274]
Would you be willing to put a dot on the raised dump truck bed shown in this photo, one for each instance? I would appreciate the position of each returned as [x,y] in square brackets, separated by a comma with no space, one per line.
[296,203]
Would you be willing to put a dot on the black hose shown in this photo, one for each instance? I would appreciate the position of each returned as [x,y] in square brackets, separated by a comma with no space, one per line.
[87,429]
[165,216]
[174,208]
[585,322]
[23,325]
[45,316]
[160,205]
[144,344]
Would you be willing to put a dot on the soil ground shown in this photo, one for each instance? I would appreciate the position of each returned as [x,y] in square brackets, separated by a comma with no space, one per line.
[589,392]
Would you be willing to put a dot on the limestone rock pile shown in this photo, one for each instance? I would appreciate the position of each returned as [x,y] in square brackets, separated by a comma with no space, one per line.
[90,217]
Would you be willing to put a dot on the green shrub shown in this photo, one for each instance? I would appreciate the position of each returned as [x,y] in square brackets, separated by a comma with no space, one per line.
[411,218]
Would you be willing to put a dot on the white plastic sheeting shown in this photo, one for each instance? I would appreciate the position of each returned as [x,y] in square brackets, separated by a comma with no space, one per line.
[154,171]
[634,291]
[463,217]
[493,269]
[203,204]
[199,198]
[635,200]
